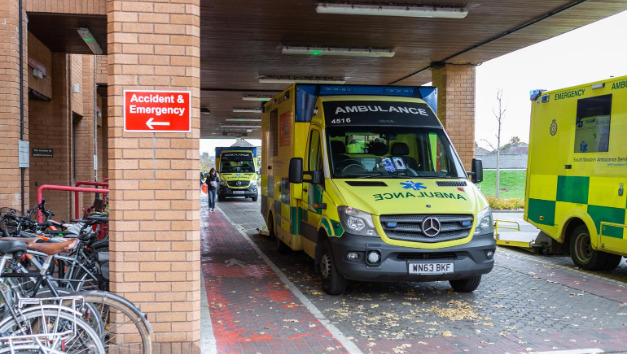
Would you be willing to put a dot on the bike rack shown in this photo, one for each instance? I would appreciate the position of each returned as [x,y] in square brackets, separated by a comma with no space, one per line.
[86,183]
[43,187]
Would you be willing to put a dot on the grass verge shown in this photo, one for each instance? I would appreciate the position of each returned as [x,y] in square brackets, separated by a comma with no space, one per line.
[512,189]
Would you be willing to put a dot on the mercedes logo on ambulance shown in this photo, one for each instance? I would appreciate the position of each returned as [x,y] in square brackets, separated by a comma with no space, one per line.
[431,226]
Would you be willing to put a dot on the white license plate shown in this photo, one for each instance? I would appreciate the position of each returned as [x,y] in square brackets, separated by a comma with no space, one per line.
[239,192]
[430,268]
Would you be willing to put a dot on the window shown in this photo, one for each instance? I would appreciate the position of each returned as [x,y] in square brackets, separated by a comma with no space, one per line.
[592,133]
[315,153]
[391,152]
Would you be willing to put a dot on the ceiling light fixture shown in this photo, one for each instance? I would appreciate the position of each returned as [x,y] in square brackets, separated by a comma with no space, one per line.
[246,110]
[257,98]
[241,126]
[235,134]
[89,39]
[243,120]
[392,10]
[303,80]
[351,52]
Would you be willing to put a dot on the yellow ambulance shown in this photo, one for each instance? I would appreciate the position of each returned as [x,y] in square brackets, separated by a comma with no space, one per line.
[237,168]
[395,206]
[577,170]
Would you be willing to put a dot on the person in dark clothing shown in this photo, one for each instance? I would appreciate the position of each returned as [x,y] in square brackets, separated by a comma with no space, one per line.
[212,182]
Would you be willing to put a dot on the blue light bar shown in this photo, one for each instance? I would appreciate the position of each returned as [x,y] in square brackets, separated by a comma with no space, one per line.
[427,93]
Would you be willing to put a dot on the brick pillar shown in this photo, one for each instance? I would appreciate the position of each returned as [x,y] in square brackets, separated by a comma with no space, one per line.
[153,177]
[456,106]
[84,129]
[103,144]
[10,174]
[51,128]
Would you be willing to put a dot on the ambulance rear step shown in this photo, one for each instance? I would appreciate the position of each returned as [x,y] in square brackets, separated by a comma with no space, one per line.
[534,241]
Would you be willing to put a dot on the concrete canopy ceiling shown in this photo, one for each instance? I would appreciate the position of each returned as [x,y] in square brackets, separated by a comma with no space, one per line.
[241,41]
[59,32]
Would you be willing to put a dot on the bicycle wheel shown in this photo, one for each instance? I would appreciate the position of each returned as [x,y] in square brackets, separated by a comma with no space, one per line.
[126,329]
[62,330]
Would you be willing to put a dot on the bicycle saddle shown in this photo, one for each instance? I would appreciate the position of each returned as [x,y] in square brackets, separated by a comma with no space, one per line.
[11,246]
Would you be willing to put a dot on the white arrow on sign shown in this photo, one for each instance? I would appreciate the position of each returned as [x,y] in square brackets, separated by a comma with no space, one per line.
[150,123]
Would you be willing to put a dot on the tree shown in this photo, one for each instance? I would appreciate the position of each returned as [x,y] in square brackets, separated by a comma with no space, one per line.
[499,114]
[205,162]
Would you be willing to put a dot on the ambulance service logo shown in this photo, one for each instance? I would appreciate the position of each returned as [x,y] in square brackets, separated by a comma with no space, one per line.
[553,127]
[411,185]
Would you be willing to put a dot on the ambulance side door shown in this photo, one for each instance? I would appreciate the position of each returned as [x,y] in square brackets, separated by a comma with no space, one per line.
[312,192]
[603,132]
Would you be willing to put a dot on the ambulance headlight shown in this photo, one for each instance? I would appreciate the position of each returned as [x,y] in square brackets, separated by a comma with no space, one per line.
[485,223]
[356,221]
[222,182]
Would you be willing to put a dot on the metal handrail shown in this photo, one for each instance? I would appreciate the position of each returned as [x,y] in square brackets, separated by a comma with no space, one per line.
[86,183]
[62,188]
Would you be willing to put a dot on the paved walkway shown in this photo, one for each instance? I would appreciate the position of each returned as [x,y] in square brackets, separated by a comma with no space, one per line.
[532,306]
[252,310]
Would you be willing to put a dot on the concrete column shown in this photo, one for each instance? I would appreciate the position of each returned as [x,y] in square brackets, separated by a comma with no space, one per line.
[10,174]
[153,177]
[456,106]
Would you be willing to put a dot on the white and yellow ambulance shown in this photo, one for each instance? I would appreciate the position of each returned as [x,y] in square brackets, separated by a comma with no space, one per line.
[365,181]
[577,170]
[237,168]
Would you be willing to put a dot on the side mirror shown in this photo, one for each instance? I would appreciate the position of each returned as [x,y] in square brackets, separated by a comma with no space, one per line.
[296,170]
[477,171]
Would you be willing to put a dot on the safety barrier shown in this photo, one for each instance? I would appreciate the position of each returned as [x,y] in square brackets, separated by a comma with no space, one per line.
[86,183]
[43,187]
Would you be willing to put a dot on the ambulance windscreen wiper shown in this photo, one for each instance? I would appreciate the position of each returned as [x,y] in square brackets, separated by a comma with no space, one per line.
[378,175]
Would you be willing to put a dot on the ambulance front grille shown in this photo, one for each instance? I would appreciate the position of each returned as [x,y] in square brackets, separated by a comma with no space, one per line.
[238,184]
[409,227]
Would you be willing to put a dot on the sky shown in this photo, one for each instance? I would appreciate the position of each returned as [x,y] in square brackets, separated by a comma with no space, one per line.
[595,52]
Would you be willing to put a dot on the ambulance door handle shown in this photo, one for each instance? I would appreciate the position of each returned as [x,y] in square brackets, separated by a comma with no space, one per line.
[304,189]
[620,190]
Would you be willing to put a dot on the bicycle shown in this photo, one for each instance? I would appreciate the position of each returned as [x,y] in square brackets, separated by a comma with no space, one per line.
[46,325]
[123,326]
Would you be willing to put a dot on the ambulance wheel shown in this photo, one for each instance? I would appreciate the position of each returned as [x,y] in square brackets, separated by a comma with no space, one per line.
[333,283]
[582,253]
[270,226]
[281,247]
[613,260]
[466,285]
[254,198]
[220,198]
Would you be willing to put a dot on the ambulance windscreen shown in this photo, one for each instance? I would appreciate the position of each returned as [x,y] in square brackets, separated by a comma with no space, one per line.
[391,152]
[237,162]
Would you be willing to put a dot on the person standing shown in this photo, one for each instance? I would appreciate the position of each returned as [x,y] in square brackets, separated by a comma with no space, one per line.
[212,182]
